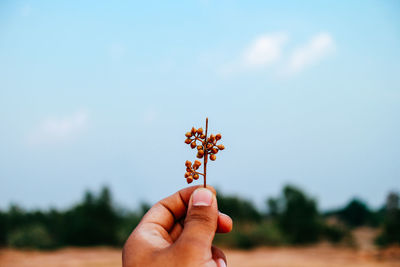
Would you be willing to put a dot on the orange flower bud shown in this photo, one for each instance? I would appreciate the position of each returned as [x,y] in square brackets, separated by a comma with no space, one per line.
[200,131]
[221,147]
[218,136]
[199,147]
[189,179]
[193,144]
[209,146]
[188,141]
[213,157]
[188,163]
[188,134]
[212,137]
[200,154]
[214,150]
[197,163]
[188,169]
[202,136]
[195,176]
[193,130]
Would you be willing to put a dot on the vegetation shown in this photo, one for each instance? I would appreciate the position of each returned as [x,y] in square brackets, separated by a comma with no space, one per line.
[94,221]
[391,225]
[357,213]
[291,218]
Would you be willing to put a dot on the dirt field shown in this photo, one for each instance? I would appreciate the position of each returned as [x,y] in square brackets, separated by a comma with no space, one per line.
[311,257]
[323,255]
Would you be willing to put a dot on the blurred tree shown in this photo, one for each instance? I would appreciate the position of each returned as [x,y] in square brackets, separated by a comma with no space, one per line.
[356,213]
[391,227]
[273,208]
[292,218]
[300,216]
[3,228]
[296,215]
[238,208]
[16,217]
[392,202]
[93,222]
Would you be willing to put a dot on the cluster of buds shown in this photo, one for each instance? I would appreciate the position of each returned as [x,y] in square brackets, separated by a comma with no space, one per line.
[206,148]
[210,145]
[191,172]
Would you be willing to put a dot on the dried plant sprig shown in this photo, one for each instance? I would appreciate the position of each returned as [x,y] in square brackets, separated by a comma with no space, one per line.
[206,147]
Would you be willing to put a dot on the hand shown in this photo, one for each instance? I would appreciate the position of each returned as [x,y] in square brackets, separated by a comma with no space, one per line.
[165,237]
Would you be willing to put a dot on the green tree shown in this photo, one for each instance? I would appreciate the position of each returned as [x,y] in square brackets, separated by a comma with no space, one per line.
[3,228]
[391,226]
[239,209]
[296,215]
[356,213]
[94,222]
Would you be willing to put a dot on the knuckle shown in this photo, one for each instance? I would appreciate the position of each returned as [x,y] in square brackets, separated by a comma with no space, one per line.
[200,217]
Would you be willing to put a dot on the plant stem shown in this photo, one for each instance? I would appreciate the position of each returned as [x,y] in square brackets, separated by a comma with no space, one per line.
[205,156]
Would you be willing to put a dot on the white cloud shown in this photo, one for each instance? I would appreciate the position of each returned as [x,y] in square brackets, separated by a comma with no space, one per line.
[317,48]
[55,130]
[264,50]
[268,51]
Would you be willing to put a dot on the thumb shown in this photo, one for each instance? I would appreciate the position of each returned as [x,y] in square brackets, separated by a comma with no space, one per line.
[201,220]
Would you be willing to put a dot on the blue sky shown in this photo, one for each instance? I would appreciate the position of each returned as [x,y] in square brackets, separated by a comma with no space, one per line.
[99,93]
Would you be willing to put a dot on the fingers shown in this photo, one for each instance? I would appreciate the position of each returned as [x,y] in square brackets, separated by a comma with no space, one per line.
[171,209]
[225,223]
[218,256]
[176,231]
[201,221]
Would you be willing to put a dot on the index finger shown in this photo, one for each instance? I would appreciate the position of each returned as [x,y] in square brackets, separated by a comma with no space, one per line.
[171,209]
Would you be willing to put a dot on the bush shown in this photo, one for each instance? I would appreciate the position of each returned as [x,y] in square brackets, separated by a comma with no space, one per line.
[391,229]
[33,236]
[267,234]
[249,235]
[334,233]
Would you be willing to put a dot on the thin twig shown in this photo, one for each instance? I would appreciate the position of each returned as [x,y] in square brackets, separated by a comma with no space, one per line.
[205,157]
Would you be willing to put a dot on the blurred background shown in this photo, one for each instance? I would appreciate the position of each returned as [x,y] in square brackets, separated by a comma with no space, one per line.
[96,96]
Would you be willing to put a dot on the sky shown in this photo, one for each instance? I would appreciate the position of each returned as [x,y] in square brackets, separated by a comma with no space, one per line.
[101,93]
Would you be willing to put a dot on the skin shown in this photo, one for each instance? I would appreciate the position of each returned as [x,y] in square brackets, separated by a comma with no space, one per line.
[178,231]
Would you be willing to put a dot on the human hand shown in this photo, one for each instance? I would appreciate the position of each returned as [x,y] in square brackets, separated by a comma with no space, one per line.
[178,231]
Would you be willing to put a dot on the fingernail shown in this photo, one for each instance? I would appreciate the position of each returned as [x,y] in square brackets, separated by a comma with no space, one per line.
[221,263]
[202,197]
